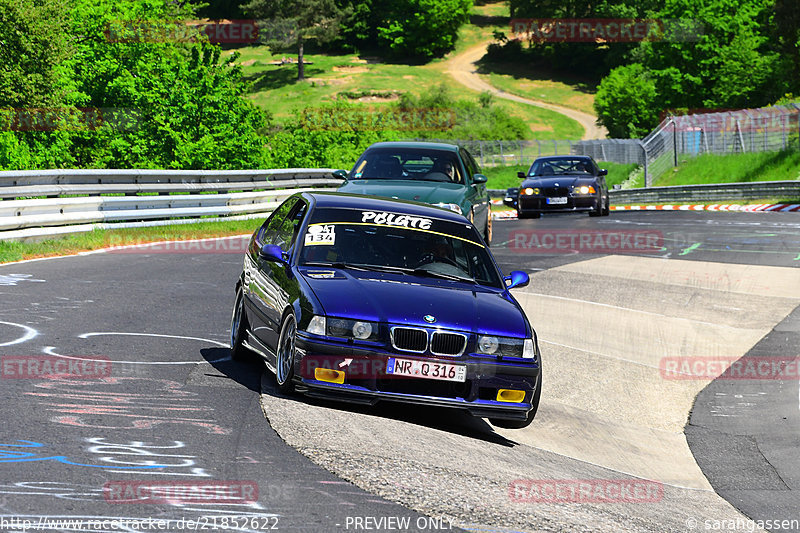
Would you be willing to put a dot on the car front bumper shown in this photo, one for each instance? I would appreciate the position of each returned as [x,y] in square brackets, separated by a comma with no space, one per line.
[538,204]
[367,382]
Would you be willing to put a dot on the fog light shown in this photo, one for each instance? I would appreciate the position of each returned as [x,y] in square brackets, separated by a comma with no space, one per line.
[510,395]
[331,376]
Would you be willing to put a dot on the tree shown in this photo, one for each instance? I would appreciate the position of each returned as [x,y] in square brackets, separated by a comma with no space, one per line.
[313,20]
[33,42]
[626,101]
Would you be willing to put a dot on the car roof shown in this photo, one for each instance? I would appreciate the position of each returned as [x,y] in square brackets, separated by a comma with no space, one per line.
[415,145]
[333,200]
[557,157]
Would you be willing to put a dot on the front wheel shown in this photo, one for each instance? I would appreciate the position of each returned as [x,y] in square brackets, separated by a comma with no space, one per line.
[606,208]
[284,365]
[519,424]
[521,215]
[239,329]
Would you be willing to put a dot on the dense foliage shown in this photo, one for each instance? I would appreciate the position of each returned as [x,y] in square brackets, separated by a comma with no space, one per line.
[131,92]
[746,54]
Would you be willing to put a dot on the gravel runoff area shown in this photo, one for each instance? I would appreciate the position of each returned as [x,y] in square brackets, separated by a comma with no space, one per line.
[447,464]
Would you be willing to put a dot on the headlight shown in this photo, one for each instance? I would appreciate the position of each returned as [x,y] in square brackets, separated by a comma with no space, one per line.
[527,350]
[487,345]
[583,189]
[317,325]
[357,329]
[528,191]
[452,207]
[504,346]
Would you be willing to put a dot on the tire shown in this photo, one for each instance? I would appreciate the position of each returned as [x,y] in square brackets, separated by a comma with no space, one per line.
[519,424]
[599,210]
[239,327]
[487,234]
[284,359]
[606,208]
[528,215]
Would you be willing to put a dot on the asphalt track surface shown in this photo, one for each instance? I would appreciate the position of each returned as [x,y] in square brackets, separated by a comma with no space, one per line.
[176,409]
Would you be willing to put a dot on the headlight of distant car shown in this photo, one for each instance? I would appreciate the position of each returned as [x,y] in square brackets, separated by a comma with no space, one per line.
[505,346]
[530,191]
[583,189]
[356,329]
[452,207]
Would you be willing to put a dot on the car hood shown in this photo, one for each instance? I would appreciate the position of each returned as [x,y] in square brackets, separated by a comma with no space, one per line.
[403,299]
[431,192]
[562,181]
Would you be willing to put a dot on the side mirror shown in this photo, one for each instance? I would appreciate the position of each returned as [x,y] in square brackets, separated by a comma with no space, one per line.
[477,179]
[521,175]
[518,278]
[341,174]
[602,172]
[272,252]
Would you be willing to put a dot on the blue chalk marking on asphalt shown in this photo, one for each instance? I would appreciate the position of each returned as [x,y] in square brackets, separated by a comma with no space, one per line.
[14,456]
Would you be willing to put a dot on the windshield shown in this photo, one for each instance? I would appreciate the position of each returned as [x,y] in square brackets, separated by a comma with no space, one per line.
[557,167]
[399,243]
[407,163]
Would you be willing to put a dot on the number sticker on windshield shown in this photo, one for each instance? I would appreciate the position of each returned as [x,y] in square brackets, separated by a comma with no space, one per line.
[317,235]
[392,219]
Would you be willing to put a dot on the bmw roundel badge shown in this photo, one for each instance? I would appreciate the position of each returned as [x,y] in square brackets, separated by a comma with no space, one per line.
[430,319]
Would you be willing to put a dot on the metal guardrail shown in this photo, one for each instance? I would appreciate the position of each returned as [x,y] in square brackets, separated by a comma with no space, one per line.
[50,202]
[723,192]
[756,190]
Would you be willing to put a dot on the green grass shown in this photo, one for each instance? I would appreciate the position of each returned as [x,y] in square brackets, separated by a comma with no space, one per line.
[503,177]
[93,240]
[329,77]
[525,81]
[712,168]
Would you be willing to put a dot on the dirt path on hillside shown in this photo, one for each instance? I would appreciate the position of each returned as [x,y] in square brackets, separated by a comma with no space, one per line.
[462,68]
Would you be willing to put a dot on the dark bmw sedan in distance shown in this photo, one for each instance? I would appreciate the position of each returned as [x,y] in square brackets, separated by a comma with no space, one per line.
[559,184]
[365,299]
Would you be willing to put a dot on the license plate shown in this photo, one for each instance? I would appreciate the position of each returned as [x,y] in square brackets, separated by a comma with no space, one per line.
[426,370]
[557,200]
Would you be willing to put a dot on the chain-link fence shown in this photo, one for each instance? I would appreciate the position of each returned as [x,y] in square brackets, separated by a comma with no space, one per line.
[495,153]
[767,129]
[748,130]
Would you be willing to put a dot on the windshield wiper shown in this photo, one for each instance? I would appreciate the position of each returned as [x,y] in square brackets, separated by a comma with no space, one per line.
[435,274]
[363,267]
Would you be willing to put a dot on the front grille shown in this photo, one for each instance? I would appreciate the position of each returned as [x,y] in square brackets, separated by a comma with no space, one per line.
[556,191]
[410,339]
[443,343]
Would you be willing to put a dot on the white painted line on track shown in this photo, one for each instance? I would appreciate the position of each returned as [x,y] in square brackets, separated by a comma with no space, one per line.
[29,333]
[50,350]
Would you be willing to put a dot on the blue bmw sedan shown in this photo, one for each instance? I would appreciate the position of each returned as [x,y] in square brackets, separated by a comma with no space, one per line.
[364,299]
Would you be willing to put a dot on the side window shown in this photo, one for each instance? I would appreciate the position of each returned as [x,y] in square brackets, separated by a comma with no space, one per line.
[274,230]
[472,169]
[295,219]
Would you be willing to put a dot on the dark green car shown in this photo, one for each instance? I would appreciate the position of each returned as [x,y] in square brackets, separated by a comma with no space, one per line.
[440,174]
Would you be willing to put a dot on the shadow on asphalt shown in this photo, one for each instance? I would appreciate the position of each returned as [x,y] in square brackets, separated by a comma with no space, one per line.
[249,374]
